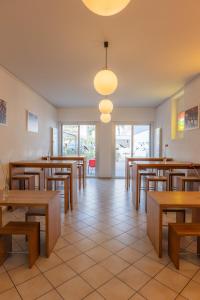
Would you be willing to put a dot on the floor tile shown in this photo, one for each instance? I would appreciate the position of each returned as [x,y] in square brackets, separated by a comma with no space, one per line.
[45,264]
[74,289]
[116,289]
[85,244]
[130,255]
[73,237]
[172,279]
[137,297]
[191,291]
[113,245]
[81,263]
[134,277]
[5,282]
[34,288]
[98,253]
[114,264]
[96,276]
[186,268]
[68,252]
[59,274]
[52,295]
[157,291]
[10,294]
[22,273]
[15,260]
[61,243]
[149,266]
[94,296]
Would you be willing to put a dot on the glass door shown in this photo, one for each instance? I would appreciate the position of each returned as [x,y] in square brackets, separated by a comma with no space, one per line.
[70,140]
[123,147]
[141,140]
[130,140]
[88,147]
[80,140]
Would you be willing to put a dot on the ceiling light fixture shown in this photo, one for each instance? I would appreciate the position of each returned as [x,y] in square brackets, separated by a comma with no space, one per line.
[105,81]
[105,118]
[106,7]
[105,106]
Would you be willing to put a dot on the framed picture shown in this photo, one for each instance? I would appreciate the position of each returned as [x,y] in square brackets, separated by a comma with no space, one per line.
[32,122]
[3,112]
[192,118]
[181,121]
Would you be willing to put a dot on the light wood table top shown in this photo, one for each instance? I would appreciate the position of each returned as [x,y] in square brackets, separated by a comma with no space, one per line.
[50,201]
[28,198]
[158,201]
[191,199]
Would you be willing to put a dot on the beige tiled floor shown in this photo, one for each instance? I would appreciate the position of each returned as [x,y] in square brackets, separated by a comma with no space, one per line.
[103,253]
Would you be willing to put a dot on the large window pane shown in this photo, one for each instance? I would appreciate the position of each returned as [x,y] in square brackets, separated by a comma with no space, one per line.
[88,147]
[70,140]
[122,148]
[141,140]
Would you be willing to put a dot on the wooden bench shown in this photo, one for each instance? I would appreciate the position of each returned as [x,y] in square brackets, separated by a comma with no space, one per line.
[23,182]
[65,179]
[176,231]
[30,229]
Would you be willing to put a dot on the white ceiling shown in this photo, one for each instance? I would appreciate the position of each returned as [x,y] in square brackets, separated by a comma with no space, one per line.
[55,46]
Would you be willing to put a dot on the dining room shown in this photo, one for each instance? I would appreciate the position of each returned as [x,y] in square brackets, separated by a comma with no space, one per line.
[99,150]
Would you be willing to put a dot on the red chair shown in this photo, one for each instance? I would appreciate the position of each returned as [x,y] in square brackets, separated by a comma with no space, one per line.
[91,165]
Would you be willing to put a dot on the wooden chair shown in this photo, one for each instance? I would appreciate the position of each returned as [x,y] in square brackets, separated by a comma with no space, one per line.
[176,231]
[171,175]
[65,180]
[182,181]
[30,229]
[23,182]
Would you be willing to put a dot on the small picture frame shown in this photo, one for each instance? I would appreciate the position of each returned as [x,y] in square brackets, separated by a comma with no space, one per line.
[32,122]
[192,118]
[3,112]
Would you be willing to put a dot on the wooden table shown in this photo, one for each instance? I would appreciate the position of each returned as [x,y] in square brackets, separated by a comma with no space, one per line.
[129,163]
[79,159]
[49,200]
[50,164]
[159,165]
[157,201]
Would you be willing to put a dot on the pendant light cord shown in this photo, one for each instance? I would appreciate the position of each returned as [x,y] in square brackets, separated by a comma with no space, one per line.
[106,58]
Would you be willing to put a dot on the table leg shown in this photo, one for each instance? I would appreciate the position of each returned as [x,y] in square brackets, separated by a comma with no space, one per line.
[154,224]
[196,215]
[135,186]
[84,171]
[73,184]
[53,224]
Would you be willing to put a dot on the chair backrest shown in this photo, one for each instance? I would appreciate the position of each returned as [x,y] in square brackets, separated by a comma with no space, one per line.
[92,163]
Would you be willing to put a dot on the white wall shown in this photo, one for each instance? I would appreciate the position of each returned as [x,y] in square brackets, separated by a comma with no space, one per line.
[105,132]
[15,142]
[186,146]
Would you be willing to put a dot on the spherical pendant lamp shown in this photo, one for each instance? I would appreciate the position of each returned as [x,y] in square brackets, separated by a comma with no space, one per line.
[105,118]
[106,7]
[105,81]
[105,106]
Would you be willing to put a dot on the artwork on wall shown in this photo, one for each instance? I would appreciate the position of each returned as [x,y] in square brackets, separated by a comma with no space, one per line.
[192,118]
[32,122]
[3,112]
[181,121]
